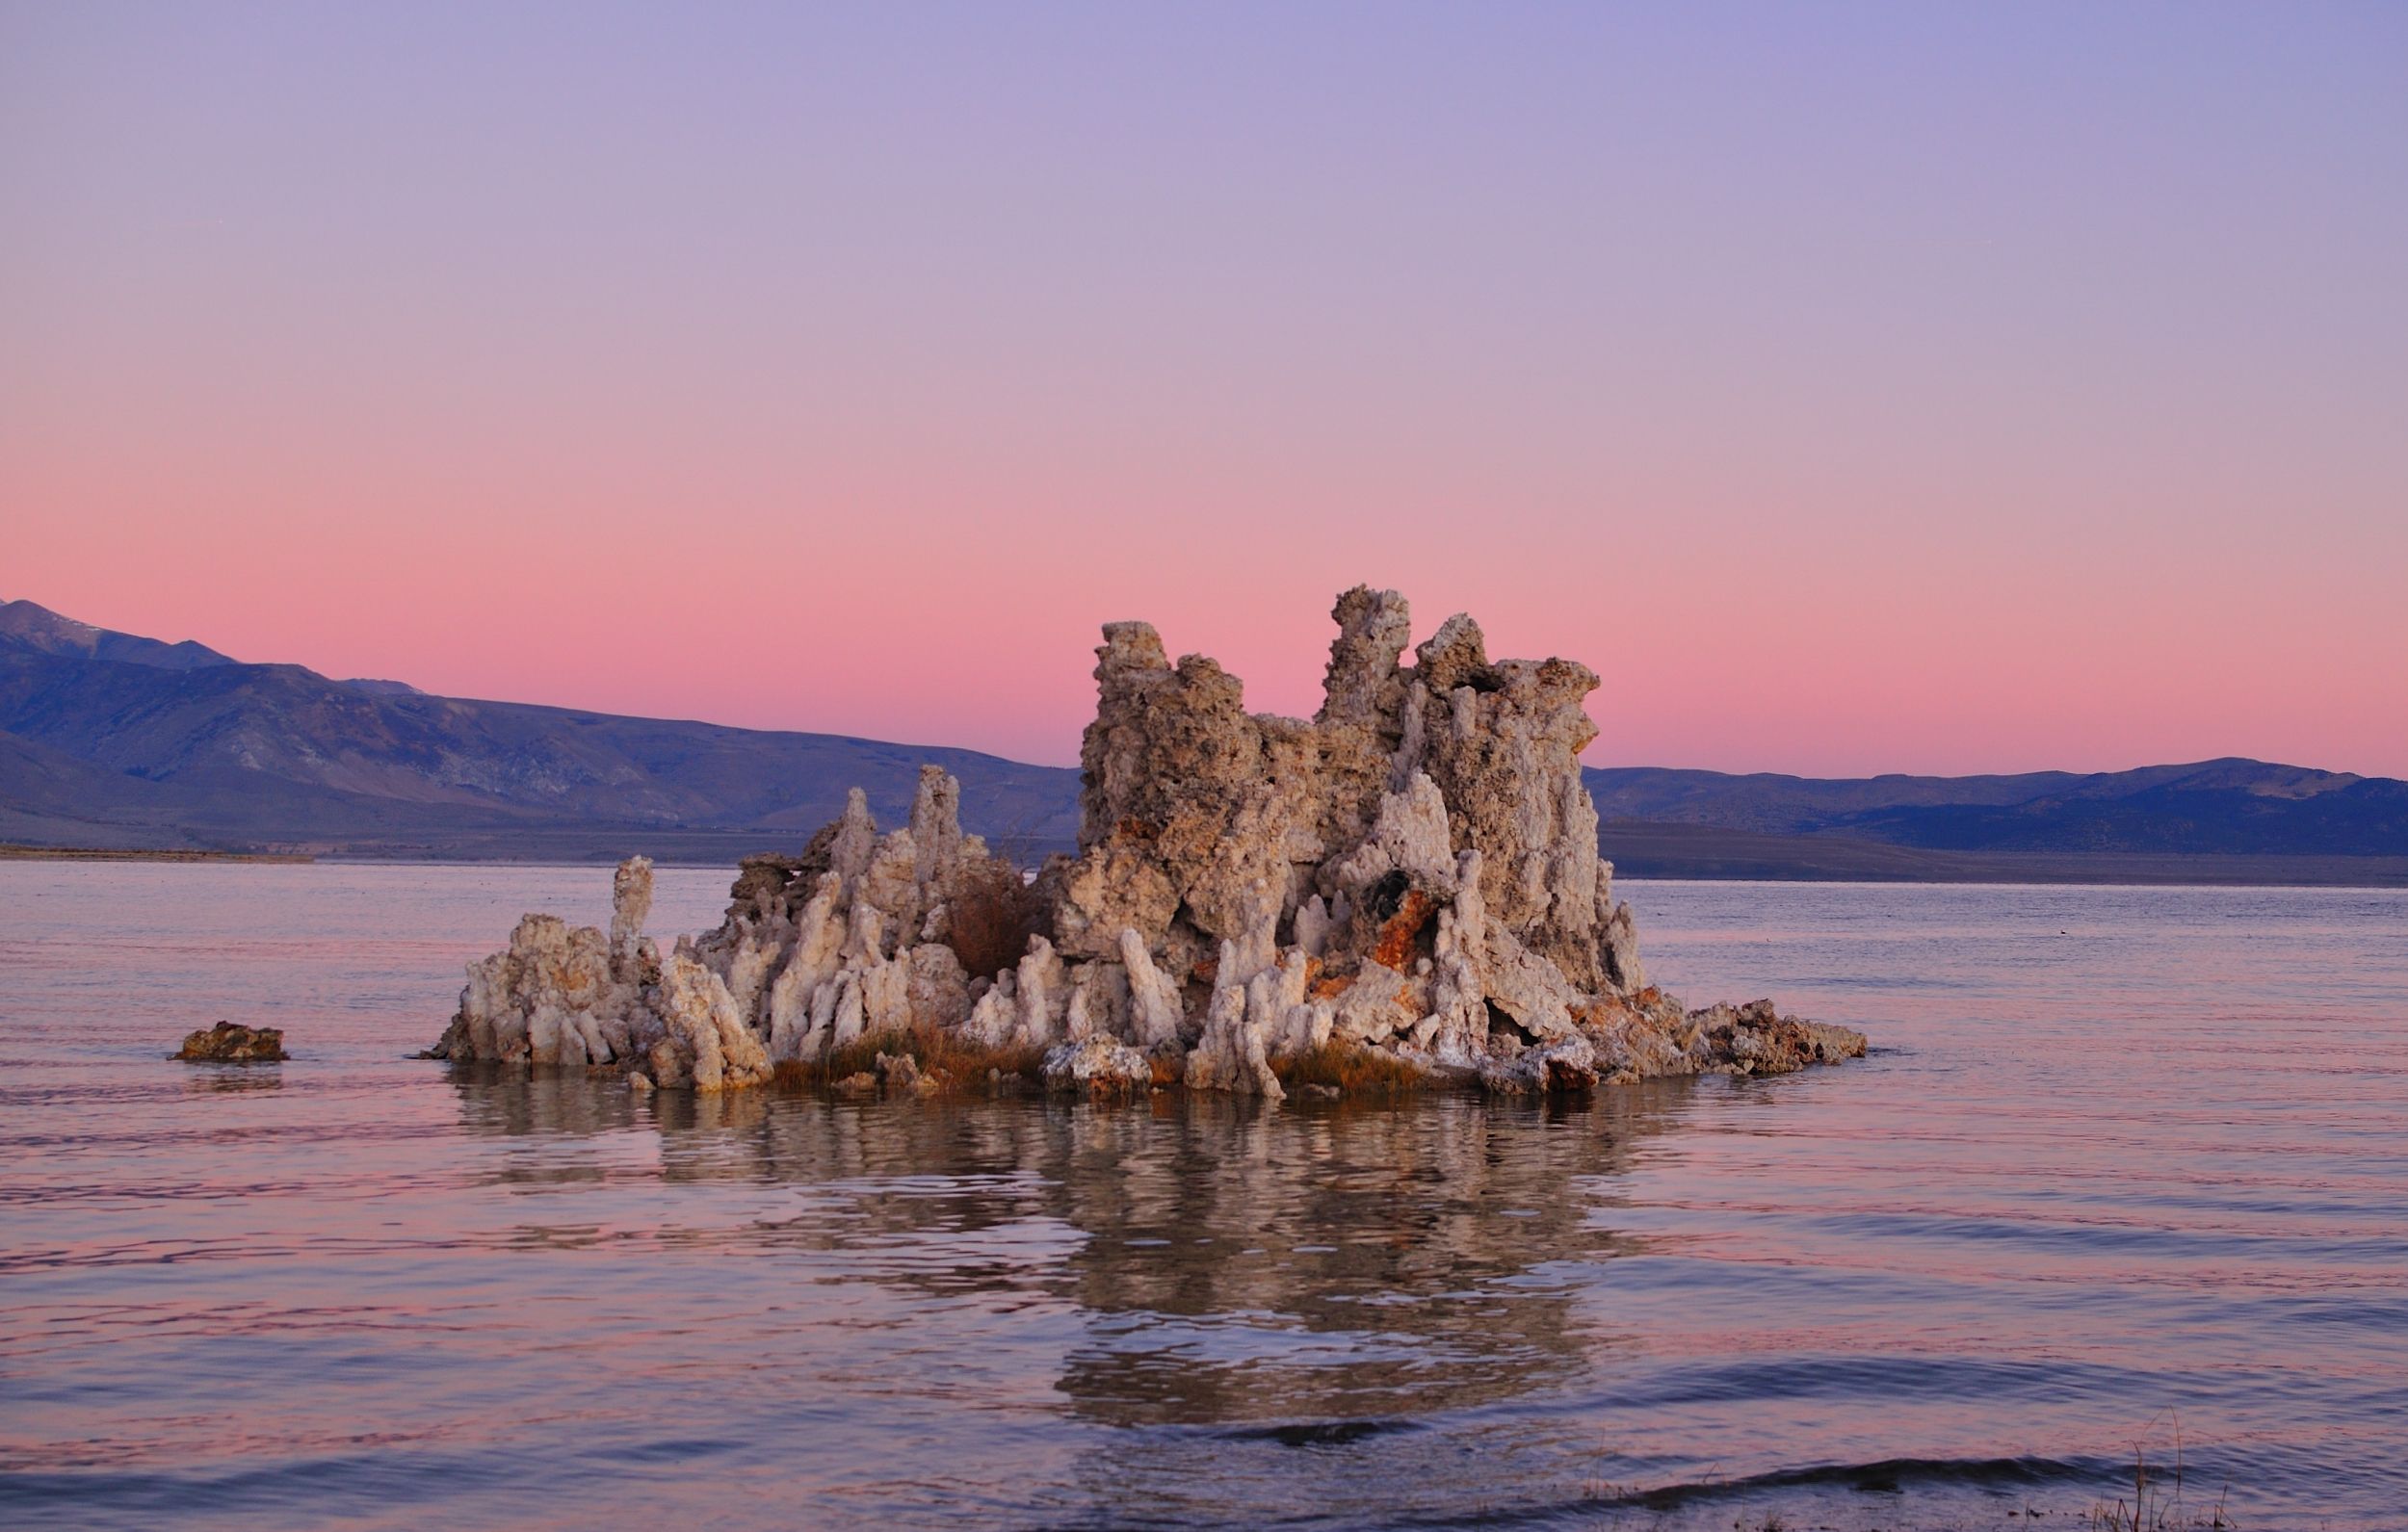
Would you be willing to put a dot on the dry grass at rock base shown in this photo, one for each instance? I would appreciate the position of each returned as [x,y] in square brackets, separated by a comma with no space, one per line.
[945,1059]
[941,1061]
[1350,1071]
[948,1063]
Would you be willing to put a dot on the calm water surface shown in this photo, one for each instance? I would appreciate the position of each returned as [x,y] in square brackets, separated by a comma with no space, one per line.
[2126,1165]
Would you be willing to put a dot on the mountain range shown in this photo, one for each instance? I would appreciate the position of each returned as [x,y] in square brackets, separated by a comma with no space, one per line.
[114,740]
[110,740]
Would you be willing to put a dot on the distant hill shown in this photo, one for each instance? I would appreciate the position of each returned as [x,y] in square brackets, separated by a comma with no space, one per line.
[1649,848]
[114,739]
[26,626]
[2227,807]
[110,739]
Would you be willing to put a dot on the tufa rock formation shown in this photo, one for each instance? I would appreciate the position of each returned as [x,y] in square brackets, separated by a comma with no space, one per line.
[1413,871]
[229,1043]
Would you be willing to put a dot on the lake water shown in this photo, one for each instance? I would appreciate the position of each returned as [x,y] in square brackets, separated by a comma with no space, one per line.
[2126,1166]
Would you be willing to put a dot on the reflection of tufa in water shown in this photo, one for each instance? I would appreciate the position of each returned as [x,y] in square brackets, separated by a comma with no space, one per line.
[1413,873]
[1438,1253]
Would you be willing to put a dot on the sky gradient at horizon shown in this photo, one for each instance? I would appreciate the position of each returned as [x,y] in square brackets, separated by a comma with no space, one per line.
[1856,388]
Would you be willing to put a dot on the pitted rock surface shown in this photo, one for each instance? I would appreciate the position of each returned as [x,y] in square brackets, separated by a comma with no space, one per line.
[1413,871]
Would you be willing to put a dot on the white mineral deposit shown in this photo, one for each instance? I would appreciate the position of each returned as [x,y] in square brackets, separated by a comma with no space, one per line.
[1413,874]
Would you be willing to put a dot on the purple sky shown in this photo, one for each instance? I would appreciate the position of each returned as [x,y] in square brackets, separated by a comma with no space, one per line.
[1860,388]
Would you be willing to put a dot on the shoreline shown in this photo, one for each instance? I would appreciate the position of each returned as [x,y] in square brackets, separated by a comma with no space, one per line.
[94,853]
[1646,850]
[2386,873]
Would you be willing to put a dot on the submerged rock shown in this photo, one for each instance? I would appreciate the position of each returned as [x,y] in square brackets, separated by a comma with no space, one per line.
[1412,872]
[229,1044]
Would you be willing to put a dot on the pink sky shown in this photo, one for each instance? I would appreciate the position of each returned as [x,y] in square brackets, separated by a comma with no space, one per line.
[1959,395]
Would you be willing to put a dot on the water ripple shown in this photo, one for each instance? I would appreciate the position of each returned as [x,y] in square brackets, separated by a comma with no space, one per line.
[2138,1188]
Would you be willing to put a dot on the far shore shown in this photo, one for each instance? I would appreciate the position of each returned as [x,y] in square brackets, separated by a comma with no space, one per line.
[1653,849]
[98,853]
[1643,851]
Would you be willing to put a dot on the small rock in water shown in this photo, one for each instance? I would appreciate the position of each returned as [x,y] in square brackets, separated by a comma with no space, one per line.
[229,1044]
[1099,1067]
[898,1074]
